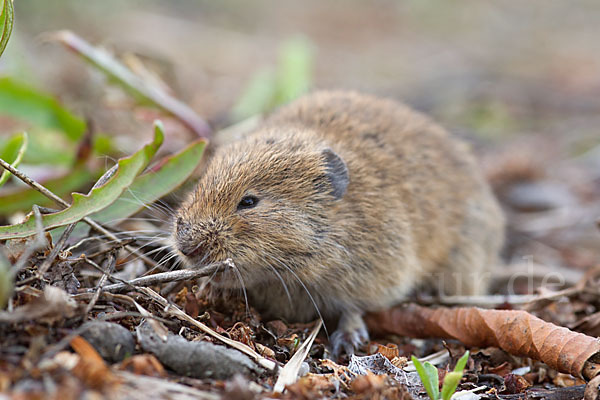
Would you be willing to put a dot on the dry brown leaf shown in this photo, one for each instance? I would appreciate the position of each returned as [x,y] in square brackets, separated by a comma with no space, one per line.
[264,350]
[501,370]
[399,362]
[368,383]
[390,351]
[91,368]
[377,387]
[514,331]
[515,384]
[191,306]
[566,380]
[143,364]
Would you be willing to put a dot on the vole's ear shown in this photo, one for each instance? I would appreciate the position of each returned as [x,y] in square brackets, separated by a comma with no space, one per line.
[336,172]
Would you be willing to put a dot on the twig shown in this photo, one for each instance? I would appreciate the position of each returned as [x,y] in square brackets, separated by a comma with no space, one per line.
[55,250]
[109,264]
[176,312]
[86,260]
[172,276]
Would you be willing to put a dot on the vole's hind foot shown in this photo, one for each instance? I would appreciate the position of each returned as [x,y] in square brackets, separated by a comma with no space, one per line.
[350,334]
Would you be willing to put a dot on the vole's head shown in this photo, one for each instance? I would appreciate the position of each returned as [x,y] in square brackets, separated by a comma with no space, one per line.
[265,203]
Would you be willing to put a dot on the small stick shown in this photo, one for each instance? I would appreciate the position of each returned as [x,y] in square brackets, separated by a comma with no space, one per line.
[172,276]
[55,250]
[109,264]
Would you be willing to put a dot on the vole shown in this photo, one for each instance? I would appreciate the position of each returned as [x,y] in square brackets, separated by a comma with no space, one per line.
[338,204]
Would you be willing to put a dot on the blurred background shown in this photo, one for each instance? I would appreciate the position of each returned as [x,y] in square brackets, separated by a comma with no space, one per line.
[521,81]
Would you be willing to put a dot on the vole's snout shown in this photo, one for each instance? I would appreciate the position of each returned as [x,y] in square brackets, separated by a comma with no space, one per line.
[197,241]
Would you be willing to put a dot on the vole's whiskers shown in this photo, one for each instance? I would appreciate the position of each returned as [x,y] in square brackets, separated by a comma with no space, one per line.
[166,258]
[151,206]
[150,252]
[278,275]
[234,268]
[165,206]
[310,296]
[118,220]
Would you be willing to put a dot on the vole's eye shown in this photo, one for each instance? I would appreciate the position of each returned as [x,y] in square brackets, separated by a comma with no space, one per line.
[247,202]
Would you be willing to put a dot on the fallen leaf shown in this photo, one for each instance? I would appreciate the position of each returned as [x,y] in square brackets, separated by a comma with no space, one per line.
[515,331]
[143,364]
[91,368]
[390,351]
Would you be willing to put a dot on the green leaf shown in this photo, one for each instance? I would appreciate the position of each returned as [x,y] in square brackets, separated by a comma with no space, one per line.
[429,376]
[462,362]
[23,102]
[100,197]
[23,199]
[6,22]
[12,152]
[451,381]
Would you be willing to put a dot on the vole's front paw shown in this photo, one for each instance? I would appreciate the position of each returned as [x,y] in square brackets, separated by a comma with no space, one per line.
[350,334]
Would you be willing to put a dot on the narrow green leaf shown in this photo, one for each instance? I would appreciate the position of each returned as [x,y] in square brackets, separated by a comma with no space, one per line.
[462,362]
[432,374]
[98,198]
[28,104]
[12,152]
[429,376]
[6,23]
[451,381]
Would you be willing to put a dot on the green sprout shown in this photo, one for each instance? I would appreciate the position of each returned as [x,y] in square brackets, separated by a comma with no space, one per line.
[429,376]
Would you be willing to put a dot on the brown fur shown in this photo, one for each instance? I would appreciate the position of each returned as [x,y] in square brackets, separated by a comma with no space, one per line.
[416,211]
